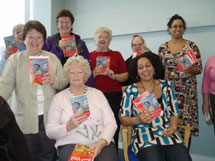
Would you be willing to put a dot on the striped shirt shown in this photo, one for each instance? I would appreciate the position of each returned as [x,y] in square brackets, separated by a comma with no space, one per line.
[146,135]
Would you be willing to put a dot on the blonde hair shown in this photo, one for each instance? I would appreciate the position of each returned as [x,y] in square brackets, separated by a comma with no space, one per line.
[103,29]
[18,26]
[80,61]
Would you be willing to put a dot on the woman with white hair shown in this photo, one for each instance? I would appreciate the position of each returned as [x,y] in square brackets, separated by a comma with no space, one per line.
[69,128]
[109,82]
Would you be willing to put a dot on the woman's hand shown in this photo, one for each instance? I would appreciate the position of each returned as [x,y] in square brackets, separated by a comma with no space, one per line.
[96,71]
[48,79]
[146,116]
[205,107]
[98,147]
[169,131]
[8,53]
[75,120]
[110,73]
[64,42]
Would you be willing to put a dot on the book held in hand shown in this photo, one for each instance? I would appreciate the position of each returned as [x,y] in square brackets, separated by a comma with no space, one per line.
[187,60]
[208,118]
[81,153]
[39,65]
[70,50]
[147,101]
[80,104]
[103,62]
[10,44]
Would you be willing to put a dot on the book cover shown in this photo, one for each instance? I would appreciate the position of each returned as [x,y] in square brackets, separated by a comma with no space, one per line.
[10,44]
[39,65]
[81,153]
[208,118]
[70,50]
[80,104]
[188,60]
[103,62]
[136,54]
[149,102]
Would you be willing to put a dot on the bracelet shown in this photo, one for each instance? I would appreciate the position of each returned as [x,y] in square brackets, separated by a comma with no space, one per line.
[134,119]
[174,127]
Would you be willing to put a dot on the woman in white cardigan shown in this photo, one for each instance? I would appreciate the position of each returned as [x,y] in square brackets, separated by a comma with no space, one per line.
[32,102]
[70,128]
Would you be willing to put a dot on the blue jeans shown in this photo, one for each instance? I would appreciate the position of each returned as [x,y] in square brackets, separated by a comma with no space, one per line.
[165,153]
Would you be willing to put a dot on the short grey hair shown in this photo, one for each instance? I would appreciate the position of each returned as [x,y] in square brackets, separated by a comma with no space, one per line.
[103,29]
[18,26]
[80,60]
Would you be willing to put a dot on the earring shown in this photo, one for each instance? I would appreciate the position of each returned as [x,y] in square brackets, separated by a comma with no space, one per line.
[138,77]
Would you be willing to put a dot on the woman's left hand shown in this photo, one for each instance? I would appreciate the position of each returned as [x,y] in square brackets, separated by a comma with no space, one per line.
[98,147]
[168,132]
[110,73]
[48,79]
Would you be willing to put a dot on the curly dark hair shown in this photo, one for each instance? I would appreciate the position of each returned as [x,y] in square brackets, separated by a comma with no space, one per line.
[65,13]
[38,26]
[156,63]
[176,17]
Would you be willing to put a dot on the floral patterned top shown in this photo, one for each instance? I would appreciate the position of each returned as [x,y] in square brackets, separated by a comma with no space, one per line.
[184,84]
[146,135]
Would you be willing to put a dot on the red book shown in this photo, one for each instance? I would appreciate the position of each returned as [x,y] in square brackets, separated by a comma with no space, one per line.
[149,102]
[39,65]
[11,44]
[187,60]
[70,50]
[103,62]
[81,153]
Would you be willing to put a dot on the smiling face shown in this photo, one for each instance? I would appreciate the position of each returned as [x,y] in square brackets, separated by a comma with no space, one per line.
[64,26]
[145,69]
[102,41]
[177,29]
[34,42]
[76,75]
[18,35]
[137,45]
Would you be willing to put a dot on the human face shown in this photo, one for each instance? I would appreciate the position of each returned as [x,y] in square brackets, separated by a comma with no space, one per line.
[64,26]
[137,45]
[102,42]
[177,29]
[76,75]
[145,69]
[18,36]
[34,42]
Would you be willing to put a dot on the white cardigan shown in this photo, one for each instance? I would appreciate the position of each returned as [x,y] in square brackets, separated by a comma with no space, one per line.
[16,75]
[100,124]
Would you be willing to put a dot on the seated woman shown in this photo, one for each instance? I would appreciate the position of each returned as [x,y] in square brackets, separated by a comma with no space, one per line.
[70,128]
[152,139]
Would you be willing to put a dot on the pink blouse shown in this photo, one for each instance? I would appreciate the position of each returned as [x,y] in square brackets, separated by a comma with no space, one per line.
[208,82]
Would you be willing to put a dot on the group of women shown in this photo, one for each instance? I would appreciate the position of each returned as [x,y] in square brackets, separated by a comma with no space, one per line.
[47,118]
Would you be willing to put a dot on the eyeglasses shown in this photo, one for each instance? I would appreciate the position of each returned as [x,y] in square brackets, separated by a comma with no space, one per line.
[64,22]
[103,37]
[135,45]
[178,26]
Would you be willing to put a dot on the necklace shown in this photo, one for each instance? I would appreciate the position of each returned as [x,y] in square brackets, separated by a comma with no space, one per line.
[152,88]
[85,90]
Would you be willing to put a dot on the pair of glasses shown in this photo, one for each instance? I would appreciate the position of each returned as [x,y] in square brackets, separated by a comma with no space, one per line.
[178,26]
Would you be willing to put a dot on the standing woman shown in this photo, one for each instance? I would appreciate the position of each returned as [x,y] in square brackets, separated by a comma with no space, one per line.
[56,45]
[184,83]
[32,102]
[110,83]
[138,44]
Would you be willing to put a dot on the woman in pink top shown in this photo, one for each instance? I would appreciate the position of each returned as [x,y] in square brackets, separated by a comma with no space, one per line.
[208,88]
